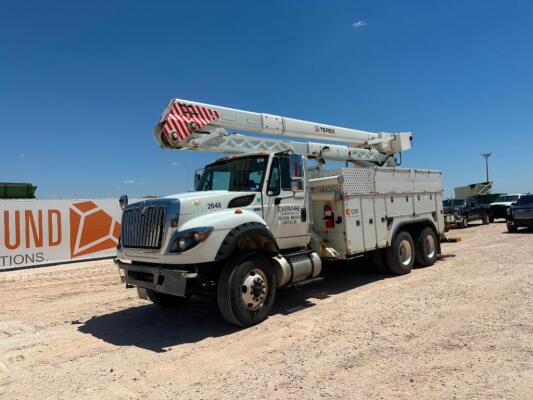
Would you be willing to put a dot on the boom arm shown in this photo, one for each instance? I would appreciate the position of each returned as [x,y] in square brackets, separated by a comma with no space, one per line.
[190,125]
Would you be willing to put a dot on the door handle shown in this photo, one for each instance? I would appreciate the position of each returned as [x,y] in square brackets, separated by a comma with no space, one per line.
[277,200]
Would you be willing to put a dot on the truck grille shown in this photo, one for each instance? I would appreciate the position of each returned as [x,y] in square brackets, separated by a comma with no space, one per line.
[143,227]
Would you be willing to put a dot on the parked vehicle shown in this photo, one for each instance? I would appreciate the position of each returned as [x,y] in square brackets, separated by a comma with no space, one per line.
[268,215]
[520,214]
[499,207]
[459,212]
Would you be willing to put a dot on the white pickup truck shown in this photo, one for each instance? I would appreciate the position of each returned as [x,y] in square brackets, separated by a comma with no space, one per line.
[262,219]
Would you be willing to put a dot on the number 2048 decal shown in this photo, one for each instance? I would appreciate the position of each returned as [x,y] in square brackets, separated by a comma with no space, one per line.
[211,206]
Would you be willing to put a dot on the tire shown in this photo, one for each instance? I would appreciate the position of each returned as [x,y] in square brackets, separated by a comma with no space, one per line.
[400,256]
[165,300]
[378,261]
[485,219]
[512,228]
[426,247]
[464,222]
[491,219]
[240,278]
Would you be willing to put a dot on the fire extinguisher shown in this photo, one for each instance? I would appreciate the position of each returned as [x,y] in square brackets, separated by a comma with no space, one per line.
[328,216]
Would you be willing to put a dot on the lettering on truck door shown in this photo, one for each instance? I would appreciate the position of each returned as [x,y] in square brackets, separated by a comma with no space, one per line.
[285,210]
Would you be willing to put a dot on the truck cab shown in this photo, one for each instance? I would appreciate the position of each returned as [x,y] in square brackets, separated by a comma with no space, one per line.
[243,205]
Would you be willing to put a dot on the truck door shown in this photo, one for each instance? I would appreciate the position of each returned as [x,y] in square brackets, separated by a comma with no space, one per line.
[475,209]
[285,210]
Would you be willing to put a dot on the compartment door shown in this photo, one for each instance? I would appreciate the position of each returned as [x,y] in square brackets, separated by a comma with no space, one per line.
[369,223]
[354,225]
[380,212]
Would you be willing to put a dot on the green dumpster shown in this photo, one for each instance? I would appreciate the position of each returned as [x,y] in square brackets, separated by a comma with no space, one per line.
[10,190]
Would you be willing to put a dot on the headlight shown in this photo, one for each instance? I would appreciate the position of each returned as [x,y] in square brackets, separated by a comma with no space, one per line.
[186,240]
[508,211]
[182,244]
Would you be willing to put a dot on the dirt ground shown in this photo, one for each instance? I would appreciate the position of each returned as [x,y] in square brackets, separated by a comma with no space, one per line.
[461,329]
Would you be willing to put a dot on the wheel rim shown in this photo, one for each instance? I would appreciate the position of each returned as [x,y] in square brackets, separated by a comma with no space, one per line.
[254,289]
[405,252]
[429,246]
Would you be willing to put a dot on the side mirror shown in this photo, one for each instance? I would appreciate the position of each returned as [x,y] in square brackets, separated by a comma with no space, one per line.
[297,184]
[197,178]
[123,201]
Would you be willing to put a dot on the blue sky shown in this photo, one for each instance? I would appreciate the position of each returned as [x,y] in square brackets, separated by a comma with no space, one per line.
[83,83]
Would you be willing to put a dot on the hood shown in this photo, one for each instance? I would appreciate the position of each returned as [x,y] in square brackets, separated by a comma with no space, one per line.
[453,209]
[213,200]
[503,203]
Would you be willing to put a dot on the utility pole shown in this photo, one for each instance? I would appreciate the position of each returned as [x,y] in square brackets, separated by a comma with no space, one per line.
[486,156]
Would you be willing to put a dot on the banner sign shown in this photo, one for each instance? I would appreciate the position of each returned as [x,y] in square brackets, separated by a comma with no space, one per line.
[34,232]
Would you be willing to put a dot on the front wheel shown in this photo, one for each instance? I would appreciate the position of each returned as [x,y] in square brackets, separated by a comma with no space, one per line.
[464,222]
[246,290]
[485,219]
[400,256]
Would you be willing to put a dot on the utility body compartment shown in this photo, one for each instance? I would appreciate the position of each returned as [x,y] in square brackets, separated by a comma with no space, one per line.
[369,204]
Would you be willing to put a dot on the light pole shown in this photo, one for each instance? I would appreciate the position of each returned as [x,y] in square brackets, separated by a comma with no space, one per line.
[486,155]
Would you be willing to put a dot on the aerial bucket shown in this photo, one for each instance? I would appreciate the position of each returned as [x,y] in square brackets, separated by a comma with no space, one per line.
[183,119]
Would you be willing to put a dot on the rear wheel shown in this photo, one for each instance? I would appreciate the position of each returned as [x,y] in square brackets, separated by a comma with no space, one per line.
[400,256]
[485,219]
[426,247]
[246,290]
[165,300]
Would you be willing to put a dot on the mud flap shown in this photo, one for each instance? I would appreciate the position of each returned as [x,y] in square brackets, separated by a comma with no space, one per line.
[141,292]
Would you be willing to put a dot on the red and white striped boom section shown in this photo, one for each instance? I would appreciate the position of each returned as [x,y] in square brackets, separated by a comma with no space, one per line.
[183,121]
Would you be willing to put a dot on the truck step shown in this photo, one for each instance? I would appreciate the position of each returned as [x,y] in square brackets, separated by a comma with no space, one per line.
[306,282]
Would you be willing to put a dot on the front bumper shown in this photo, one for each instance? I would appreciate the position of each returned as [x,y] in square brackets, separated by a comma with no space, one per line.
[499,211]
[453,219]
[167,280]
[519,223]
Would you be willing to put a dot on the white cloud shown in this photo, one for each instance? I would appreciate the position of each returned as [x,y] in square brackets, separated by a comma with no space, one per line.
[129,181]
[21,155]
[359,25]
[175,163]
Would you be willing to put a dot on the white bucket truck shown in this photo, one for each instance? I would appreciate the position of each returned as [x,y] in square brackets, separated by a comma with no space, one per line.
[267,215]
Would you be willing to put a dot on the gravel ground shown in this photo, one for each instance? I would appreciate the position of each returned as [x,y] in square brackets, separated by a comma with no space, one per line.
[460,329]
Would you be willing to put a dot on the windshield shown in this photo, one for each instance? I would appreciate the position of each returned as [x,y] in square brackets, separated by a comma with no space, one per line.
[456,202]
[507,198]
[525,200]
[243,174]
